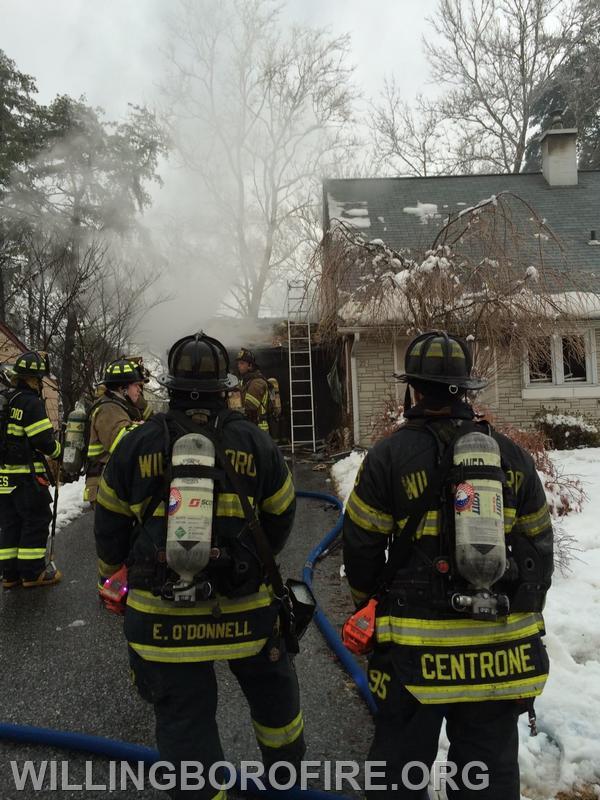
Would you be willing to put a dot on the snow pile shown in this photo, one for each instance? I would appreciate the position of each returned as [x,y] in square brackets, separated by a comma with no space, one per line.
[568,421]
[566,752]
[70,502]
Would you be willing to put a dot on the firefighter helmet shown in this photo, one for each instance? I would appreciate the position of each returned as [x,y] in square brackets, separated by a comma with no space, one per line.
[122,371]
[32,364]
[247,356]
[198,363]
[439,357]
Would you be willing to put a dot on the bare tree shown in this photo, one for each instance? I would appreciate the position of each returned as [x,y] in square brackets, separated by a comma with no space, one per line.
[257,115]
[497,57]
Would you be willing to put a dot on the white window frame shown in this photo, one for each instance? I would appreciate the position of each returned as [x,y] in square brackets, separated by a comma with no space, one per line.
[559,389]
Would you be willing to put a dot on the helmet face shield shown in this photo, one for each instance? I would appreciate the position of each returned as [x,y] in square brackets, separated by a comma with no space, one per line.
[198,363]
[438,357]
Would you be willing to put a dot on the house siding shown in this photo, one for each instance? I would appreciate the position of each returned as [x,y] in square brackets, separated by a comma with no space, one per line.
[376,384]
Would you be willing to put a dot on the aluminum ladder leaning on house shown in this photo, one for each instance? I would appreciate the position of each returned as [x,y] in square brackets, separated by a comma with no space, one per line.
[302,415]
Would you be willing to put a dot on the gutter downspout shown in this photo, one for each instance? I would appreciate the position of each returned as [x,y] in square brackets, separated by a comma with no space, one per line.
[355,409]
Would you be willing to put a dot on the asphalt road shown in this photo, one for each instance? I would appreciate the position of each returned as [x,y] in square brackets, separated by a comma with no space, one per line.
[63,663]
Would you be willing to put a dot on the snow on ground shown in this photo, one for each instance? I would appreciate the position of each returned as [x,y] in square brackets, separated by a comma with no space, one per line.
[567,750]
[70,502]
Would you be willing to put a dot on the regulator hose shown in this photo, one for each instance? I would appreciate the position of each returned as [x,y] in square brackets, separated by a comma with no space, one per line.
[125,751]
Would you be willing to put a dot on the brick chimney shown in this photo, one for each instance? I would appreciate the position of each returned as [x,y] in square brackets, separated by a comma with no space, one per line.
[559,154]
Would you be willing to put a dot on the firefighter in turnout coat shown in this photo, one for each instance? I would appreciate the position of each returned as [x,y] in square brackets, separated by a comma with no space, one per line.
[120,406]
[233,616]
[432,659]
[24,495]
[254,390]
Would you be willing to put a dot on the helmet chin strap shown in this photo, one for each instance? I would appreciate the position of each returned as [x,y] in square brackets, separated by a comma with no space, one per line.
[407,398]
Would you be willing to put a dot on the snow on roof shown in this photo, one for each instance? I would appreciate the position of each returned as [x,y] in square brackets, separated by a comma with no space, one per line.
[357,215]
[425,211]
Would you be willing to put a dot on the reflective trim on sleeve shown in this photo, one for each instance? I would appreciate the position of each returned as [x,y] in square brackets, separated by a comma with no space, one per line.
[367,517]
[509,519]
[7,552]
[358,596]
[95,450]
[253,400]
[56,452]
[38,427]
[279,502]
[22,469]
[15,430]
[219,652]
[532,524]
[279,737]
[106,570]
[429,525]
[107,497]
[445,632]
[229,505]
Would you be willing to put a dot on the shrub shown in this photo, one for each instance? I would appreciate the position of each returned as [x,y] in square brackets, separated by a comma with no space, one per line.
[567,431]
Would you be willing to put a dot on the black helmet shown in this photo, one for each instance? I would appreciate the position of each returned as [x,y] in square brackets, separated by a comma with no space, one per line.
[198,363]
[32,364]
[247,356]
[439,357]
[122,371]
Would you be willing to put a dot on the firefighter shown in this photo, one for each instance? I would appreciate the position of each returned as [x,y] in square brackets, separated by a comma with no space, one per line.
[24,479]
[432,659]
[233,615]
[254,390]
[120,405]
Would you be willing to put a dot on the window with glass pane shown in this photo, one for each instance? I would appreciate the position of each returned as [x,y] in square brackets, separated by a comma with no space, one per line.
[573,349]
[540,363]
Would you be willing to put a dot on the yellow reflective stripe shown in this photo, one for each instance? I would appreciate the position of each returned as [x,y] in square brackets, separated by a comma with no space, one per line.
[229,505]
[532,524]
[7,489]
[95,450]
[461,693]
[367,517]
[222,795]
[107,497]
[119,436]
[253,400]
[15,430]
[280,501]
[56,452]
[279,737]
[429,525]
[147,603]
[509,518]
[38,427]
[437,633]
[209,653]
[8,552]
[106,570]
[22,469]
[147,412]
[29,553]
[139,509]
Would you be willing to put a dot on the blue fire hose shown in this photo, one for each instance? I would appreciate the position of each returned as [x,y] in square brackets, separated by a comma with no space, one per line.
[125,751]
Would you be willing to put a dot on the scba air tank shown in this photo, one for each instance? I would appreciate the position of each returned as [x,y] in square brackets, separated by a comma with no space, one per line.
[479,513]
[190,513]
[73,453]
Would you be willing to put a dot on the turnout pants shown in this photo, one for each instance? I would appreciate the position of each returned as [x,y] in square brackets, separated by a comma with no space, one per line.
[408,731]
[24,519]
[184,696]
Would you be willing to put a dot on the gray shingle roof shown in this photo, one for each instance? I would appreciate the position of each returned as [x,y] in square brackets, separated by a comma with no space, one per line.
[375,206]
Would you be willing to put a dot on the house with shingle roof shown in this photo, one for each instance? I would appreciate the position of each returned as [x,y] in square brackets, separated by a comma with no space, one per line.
[11,346]
[408,214]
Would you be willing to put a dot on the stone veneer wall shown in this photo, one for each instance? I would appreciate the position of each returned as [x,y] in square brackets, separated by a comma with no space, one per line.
[376,384]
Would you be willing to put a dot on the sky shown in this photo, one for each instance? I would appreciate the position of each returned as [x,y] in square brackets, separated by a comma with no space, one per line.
[111,52]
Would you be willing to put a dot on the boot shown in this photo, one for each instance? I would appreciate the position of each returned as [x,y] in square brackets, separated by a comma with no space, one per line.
[10,581]
[48,577]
